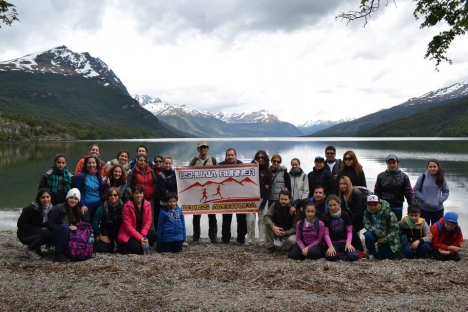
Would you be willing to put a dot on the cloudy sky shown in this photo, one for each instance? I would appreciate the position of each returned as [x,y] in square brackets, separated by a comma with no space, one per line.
[289,57]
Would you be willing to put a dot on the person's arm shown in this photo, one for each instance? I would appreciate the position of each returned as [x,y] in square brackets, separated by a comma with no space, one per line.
[427,234]
[305,187]
[184,230]
[378,187]
[409,194]
[128,220]
[43,183]
[287,180]
[393,231]
[147,218]
[54,218]
[362,177]
[417,189]
[161,220]
[267,218]
[326,234]
[23,221]
[292,230]
[359,205]
[299,240]
[161,187]
[445,192]
[79,166]
[97,221]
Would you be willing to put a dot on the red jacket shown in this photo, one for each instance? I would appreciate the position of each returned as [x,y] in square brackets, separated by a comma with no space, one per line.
[128,227]
[145,180]
[442,239]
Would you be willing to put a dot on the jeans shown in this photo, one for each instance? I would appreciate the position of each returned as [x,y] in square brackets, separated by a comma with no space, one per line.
[340,247]
[385,252]
[398,211]
[59,238]
[421,252]
[169,246]
[432,217]
[313,253]
[241,227]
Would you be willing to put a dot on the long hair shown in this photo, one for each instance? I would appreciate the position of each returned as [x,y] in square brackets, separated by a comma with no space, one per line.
[349,189]
[41,192]
[110,176]
[122,152]
[59,156]
[98,167]
[265,168]
[440,175]
[357,166]
[333,197]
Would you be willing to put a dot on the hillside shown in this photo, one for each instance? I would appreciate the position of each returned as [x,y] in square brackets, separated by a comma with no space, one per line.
[84,108]
[409,108]
[449,120]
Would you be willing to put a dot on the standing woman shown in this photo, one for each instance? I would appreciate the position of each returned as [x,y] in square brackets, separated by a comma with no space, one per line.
[158,164]
[32,224]
[351,168]
[117,177]
[280,179]
[57,179]
[299,181]
[432,191]
[62,219]
[261,157]
[166,181]
[93,150]
[143,175]
[107,221]
[394,186]
[120,159]
[89,182]
[135,232]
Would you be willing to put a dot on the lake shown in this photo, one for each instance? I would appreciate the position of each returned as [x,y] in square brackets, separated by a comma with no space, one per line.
[22,164]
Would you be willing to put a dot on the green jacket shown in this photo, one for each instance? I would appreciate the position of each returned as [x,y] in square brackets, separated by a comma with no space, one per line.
[384,225]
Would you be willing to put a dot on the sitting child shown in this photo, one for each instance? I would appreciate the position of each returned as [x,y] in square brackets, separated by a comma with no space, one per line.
[309,234]
[171,226]
[447,238]
[416,234]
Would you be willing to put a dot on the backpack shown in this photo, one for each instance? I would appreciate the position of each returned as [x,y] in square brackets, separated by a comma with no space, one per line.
[79,245]
[195,159]
[364,190]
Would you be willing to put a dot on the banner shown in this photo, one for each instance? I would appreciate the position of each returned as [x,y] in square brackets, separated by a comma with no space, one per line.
[219,189]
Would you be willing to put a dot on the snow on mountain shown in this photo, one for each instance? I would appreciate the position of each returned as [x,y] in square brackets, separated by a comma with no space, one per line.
[325,123]
[251,117]
[63,61]
[452,92]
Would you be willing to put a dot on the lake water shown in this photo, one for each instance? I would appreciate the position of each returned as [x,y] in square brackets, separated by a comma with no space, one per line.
[23,164]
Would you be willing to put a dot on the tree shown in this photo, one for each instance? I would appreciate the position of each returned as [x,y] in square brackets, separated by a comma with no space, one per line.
[433,12]
[8,13]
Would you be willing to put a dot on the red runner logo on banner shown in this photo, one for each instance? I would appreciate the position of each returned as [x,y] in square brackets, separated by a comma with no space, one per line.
[219,189]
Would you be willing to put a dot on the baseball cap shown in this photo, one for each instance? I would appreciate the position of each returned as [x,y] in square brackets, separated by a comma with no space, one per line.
[451,217]
[319,159]
[202,143]
[392,157]
[373,199]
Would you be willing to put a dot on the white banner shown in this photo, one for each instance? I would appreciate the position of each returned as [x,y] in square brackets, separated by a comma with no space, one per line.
[219,189]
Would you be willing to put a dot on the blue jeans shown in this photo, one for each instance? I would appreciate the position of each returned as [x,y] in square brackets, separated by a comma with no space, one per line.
[59,238]
[420,252]
[385,252]
[340,247]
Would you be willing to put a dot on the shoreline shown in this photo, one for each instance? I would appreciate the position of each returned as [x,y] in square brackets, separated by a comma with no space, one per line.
[219,277]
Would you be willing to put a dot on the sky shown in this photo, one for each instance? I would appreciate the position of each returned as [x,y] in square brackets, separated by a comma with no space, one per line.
[292,58]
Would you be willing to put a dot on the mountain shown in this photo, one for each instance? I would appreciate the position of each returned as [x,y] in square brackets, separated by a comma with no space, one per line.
[62,95]
[205,124]
[311,126]
[411,107]
[63,61]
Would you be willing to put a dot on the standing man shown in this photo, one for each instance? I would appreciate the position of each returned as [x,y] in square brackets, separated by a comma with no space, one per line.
[141,150]
[203,159]
[333,165]
[320,176]
[231,159]
[319,199]
[280,223]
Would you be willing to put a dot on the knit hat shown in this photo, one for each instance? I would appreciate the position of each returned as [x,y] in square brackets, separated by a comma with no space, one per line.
[74,192]
[451,217]
[373,199]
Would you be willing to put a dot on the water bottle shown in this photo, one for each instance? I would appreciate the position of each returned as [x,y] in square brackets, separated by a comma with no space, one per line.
[91,238]
[146,248]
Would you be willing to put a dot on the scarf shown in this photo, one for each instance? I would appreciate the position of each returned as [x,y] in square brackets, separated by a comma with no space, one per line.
[336,214]
[54,180]
[296,173]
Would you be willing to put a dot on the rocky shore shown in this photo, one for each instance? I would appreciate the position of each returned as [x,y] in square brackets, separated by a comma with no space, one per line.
[219,277]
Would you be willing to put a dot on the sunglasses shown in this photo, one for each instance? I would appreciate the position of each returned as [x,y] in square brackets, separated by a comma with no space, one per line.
[330,153]
[348,158]
[158,161]
[276,161]
[260,157]
[113,195]
[204,146]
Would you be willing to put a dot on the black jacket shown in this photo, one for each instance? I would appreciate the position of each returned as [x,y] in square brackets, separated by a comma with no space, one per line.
[394,187]
[321,177]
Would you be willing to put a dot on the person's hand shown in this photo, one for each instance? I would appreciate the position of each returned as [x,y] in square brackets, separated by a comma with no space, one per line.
[267,187]
[73,228]
[305,251]
[331,252]
[279,232]
[415,245]
[380,241]
[143,241]
[105,239]
[292,210]
[44,228]
[444,252]
[454,248]
[349,247]
[84,210]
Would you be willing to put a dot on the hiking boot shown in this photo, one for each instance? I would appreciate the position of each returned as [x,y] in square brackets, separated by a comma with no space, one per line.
[270,250]
[59,257]
[31,254]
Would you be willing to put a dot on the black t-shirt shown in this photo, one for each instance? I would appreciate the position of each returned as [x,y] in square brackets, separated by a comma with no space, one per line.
[337,226]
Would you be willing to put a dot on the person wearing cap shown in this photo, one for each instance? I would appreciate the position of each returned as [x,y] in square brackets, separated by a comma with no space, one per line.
[203,159]
[320,176]
[382,228]
[394,186]
[447,238]
[32,224]
[61,220]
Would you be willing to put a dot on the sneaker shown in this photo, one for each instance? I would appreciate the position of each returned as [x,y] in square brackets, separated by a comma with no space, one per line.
[39,252]
[31,254]
[184,244]
[59,257]
[271,250]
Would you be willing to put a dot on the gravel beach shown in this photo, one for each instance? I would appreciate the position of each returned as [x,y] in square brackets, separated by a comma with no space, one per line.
[219,277]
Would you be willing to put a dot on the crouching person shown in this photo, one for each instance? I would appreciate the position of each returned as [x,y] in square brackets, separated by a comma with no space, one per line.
[62,220]
[280,223]
[416,234]
[171,226]
[447,238]
[309,234]
[382,229]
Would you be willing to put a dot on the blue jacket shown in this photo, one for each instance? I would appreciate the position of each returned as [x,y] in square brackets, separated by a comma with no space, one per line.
[171,225]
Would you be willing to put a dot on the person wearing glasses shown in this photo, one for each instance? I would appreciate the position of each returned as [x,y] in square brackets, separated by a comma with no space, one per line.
[351,168]
[158,164]
[332,164]
[280,179]
[203,159]
[107,221]
[262,159]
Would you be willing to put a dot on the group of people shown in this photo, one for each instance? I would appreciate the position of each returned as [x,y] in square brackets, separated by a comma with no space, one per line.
[320,214]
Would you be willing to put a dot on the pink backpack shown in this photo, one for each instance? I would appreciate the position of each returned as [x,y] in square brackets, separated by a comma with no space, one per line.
[80,247]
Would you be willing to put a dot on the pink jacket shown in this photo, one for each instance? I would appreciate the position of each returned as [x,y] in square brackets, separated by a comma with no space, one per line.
[128,227]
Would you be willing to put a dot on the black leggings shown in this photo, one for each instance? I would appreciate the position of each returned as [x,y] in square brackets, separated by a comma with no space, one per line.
[35,239]
[134,247]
